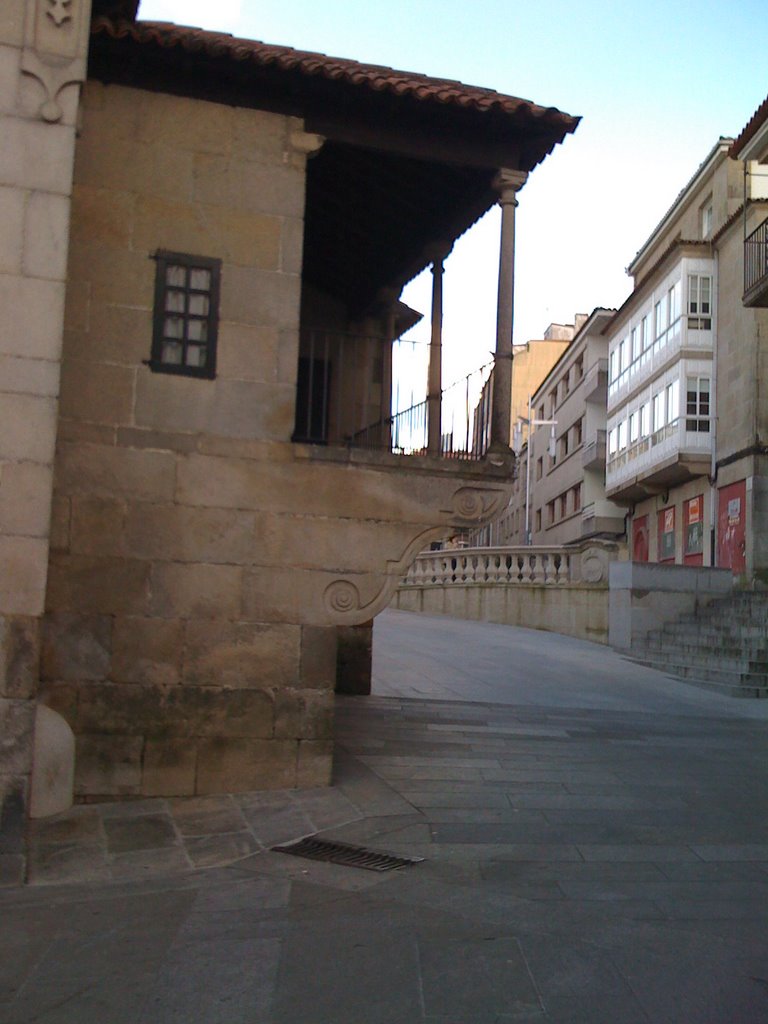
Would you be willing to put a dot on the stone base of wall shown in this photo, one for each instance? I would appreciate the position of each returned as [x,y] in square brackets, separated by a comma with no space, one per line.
[577,610]
[164,707]
[644,596]
[353,664]
[19,669]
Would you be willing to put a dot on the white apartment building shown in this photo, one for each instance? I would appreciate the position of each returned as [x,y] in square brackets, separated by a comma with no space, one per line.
[670,367]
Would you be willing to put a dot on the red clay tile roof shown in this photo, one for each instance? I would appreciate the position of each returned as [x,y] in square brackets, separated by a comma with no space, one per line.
[751,129]
[371,76]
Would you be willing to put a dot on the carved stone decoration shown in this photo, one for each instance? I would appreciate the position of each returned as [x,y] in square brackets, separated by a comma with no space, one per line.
[593,566]
[58,11]
[55,49]
[342,599]
[307,143]
[473,504]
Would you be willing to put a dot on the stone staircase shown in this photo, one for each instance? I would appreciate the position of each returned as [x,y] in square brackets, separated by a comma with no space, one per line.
[723,647]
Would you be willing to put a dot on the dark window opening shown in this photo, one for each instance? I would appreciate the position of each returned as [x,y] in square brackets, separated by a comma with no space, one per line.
[186,314]
[313,389]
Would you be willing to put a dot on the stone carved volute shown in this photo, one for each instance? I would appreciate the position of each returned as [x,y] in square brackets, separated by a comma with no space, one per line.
[342,600]
[475,504]
[55,50]
[594,565]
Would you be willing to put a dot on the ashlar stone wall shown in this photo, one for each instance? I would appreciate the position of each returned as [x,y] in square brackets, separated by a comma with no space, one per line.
[201,562]
[41,61]
[742,391]
[173,681]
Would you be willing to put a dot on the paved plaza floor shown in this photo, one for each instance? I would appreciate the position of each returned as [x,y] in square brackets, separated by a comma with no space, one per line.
[595,844]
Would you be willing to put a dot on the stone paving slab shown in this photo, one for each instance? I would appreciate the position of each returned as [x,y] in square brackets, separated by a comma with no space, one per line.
[623,878]
[113,841]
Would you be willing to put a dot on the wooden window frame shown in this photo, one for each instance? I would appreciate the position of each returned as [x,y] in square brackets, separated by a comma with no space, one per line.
[157,363]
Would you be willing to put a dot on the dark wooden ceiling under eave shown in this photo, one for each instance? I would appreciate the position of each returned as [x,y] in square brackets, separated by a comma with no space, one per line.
[371,216]
[408,160]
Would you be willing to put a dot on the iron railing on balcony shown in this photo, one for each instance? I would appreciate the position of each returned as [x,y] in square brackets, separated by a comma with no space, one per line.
[366,392]
[756,258]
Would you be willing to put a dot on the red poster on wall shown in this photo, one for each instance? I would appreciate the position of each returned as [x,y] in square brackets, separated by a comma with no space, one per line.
[693,530]
[666,539]
[732,527]
[640,547]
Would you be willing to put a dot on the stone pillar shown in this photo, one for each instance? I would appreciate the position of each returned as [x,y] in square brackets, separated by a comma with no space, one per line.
[353,665]
[435,374]
[389,299]
[507,183]
[43,46]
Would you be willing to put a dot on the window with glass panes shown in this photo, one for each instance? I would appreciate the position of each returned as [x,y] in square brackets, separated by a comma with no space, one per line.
[700,302]
[185,314]
[633,426]
[658,411]
[645,420]
[697,404]
[673,401]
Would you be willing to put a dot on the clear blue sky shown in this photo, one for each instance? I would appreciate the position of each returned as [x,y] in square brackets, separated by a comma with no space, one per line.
[656,85]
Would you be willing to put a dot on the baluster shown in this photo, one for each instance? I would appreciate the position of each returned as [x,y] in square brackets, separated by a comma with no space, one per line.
[417,571]
[496,570]
[535,569]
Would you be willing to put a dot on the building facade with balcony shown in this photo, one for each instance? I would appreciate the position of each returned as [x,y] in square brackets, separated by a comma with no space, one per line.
[683,385]
[559,492]
[203,474]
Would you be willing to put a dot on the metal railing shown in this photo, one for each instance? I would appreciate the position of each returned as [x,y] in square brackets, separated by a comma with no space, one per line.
[366,392]
[756,257]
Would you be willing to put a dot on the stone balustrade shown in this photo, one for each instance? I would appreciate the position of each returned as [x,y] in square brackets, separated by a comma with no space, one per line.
[555,566]
[562,589]
[490,565]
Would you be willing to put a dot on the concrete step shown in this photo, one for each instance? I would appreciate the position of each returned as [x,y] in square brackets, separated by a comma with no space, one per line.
[705,660]
[723,647]
[734,684]
[724,618]
[747,652]
[721,628]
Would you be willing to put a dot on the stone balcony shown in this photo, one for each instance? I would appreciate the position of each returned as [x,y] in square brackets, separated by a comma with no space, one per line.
[593,452]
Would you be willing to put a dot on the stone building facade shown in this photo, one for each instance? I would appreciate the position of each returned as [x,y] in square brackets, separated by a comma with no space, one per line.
[42,62]
[227,489]
[564,487]
[687,377]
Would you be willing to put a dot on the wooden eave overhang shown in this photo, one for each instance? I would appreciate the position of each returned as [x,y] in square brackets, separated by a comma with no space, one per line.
[752,142]
[408,161]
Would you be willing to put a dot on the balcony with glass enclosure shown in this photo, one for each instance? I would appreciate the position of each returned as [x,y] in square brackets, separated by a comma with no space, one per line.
[653,444]
[675,317]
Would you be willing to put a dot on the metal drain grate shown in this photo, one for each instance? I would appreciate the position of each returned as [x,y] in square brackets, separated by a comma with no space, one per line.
[342,853]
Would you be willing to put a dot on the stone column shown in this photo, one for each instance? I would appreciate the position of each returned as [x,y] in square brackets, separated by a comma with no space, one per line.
[43,46]
[435,374]
[507,183]
[389,299]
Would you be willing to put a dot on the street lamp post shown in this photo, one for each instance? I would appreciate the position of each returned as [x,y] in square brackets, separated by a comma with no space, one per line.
[517,447]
